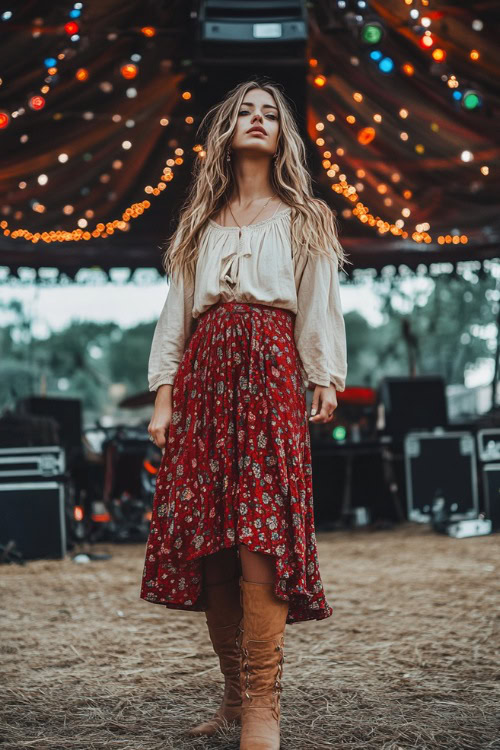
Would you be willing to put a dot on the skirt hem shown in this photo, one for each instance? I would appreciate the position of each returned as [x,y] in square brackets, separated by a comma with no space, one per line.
[303,613]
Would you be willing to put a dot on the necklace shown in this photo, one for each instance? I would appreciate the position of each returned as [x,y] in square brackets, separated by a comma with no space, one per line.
[263,207]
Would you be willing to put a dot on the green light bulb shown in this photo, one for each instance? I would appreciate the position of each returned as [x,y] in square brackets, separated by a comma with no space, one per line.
[339,433]
[471,101]
[371,33]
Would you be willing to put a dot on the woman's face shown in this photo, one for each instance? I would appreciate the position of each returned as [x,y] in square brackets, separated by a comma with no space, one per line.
[258,110]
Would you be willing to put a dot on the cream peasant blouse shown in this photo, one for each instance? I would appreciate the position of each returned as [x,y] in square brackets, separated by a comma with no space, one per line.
[257,267]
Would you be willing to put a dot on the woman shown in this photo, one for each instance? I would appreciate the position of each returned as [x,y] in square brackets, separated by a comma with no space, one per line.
[251,320]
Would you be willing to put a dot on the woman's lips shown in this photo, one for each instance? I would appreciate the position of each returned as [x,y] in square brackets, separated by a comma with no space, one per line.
[256,132]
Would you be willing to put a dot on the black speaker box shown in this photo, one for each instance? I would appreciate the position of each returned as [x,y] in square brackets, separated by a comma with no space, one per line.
[66,411]
[32,515]
[491,489]
[441,468]
[413,403]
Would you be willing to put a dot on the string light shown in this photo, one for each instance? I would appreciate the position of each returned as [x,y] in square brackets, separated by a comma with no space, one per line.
[82,74]
[37,102]
[372,33]
[342,186]
[71,28]
[362,212]
[366,135]
[439,55]
[129,71]
[471,100]
[101,229]
[426,40]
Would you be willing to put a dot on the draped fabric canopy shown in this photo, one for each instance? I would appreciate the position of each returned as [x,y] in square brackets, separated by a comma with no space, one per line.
[90,117]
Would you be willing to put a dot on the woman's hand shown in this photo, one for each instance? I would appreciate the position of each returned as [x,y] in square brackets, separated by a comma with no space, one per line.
[325,399]
[162,415]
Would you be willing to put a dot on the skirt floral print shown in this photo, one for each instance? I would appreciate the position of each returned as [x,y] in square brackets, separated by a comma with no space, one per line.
[237,462]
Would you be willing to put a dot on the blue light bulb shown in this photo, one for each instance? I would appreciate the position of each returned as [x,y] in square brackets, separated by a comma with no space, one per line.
[386,65]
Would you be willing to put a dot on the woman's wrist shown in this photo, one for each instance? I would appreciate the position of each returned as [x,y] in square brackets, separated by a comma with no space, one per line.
[164,391]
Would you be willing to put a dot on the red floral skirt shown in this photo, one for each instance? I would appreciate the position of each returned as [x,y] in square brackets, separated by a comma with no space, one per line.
[237,462]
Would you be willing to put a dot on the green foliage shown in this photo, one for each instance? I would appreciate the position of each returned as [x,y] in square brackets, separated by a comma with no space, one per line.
[447,327]
[439,327]
[81,361]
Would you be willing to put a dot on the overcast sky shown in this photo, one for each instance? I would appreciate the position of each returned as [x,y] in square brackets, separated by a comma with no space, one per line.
[128,304]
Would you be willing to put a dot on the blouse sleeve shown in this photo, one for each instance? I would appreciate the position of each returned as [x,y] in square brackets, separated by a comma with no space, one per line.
[173,329]
[319,324]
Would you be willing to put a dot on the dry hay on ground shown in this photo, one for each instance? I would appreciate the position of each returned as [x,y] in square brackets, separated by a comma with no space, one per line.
[409,659]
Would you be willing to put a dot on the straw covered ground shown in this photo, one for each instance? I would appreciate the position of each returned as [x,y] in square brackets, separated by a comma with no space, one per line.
[410,658]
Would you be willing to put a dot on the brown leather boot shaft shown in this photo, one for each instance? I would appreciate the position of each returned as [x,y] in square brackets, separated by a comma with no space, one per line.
[224,618]
[264,620]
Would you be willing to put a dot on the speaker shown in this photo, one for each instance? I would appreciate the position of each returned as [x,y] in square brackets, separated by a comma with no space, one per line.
[253,22]
[412,403]
[32,515]
[66,411]
[491,490]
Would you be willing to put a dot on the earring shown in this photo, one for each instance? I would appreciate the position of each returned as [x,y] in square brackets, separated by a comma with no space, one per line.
[228,157]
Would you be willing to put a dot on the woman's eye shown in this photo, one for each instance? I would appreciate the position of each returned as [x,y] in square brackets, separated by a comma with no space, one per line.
[245,112]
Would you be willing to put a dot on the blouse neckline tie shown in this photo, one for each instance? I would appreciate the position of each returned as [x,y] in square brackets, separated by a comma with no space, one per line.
[231,263]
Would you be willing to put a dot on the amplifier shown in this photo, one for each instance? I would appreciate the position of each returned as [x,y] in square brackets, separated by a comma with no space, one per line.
[491,490]
[488,444]
[416,403]
[32,515]
[441,466]
[31,464]
[66,411]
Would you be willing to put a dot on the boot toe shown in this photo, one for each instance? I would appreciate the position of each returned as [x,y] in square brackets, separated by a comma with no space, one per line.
[210,727]
[261,730]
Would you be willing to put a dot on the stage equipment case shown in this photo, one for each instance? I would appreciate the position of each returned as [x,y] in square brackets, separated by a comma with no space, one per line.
[441,465]
[488,444]
[491,490]
[32,500]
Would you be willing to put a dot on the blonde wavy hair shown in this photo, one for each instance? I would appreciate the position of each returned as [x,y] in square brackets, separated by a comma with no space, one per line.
[313,222]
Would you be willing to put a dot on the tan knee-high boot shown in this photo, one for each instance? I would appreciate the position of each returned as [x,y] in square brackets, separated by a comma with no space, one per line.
[262,643]
[224,616]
